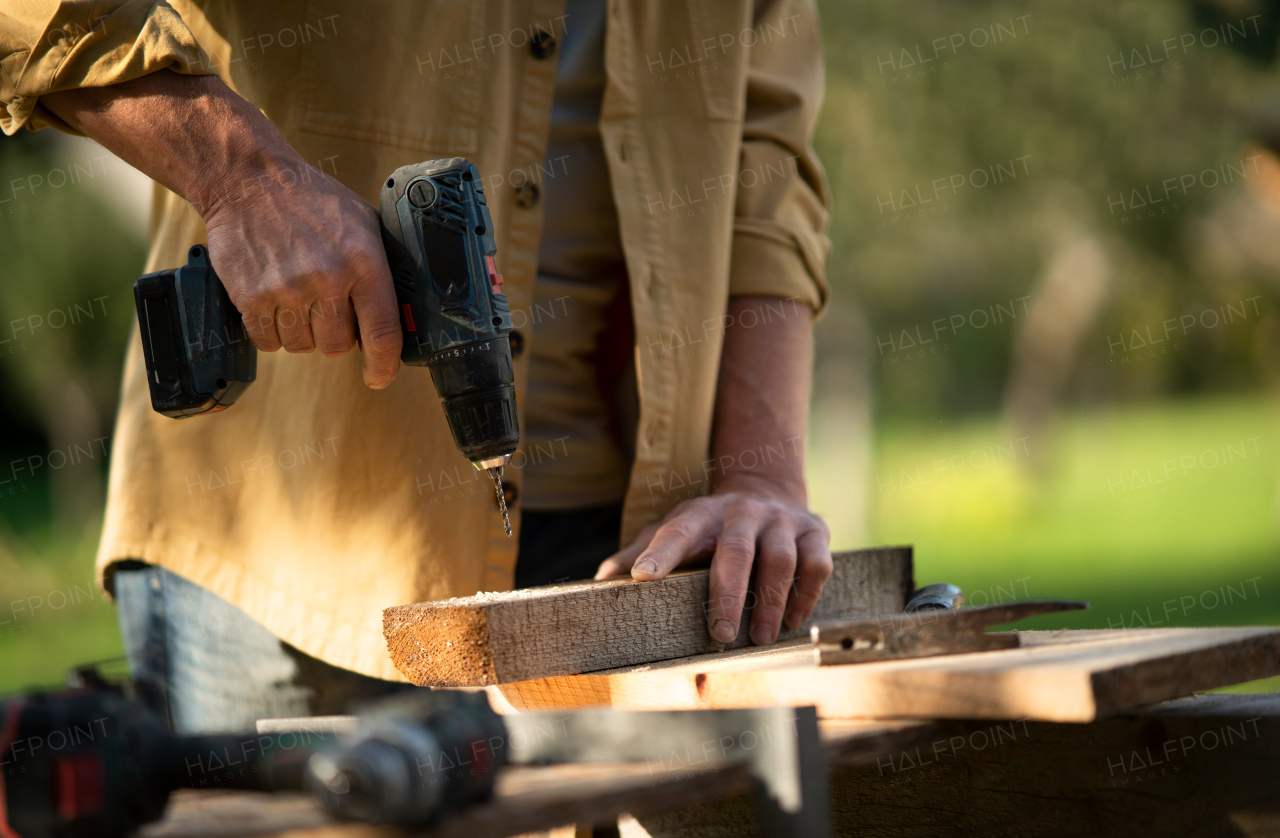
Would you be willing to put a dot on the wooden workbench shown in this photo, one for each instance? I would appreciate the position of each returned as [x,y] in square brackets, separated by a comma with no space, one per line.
[1206,765]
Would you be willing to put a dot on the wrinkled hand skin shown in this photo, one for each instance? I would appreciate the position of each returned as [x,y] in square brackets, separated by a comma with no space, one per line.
[300,254]
[748,524]
[301,263]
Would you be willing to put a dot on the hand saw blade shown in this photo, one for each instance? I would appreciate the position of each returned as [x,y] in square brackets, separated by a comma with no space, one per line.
[927,633]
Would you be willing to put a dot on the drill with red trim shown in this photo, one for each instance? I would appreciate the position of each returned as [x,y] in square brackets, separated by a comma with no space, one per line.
[89,763]
[456,321]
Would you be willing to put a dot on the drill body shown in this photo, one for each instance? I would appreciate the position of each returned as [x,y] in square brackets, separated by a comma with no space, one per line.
[88,763]
[456,322]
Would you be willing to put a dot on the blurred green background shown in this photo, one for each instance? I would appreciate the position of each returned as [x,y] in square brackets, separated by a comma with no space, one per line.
[1047,368]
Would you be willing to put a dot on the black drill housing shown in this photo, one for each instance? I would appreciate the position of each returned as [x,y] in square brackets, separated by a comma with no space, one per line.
[197,352]
[88,763]
[439,241]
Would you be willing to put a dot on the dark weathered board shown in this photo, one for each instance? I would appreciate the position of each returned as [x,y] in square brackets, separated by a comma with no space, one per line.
[1197,766]
[497,638]
[1202,766]
[526,798]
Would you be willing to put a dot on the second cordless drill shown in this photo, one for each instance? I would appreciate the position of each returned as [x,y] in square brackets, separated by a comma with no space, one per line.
[456,321]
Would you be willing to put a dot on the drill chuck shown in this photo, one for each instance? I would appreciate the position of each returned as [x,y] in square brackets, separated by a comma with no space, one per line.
[377,780]
[474,381]
[412,759]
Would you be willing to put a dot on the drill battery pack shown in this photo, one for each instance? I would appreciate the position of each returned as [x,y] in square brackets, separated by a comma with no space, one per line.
[197,352]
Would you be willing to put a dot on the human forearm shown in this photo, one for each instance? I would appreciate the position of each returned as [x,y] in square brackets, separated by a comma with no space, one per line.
[190,133]
[300,254]
[762,398]
[757,517]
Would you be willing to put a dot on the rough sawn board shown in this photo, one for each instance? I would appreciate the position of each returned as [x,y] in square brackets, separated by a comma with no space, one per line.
[1064,676]
[497,638]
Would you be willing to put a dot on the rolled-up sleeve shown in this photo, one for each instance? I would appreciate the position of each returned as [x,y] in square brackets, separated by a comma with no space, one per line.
[47,46]
[780,244]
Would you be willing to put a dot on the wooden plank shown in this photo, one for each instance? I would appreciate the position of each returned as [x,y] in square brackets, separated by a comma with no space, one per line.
[240,814]
[495,638]
[1133,774]
[526,798]
[1067,676]
[1198,766]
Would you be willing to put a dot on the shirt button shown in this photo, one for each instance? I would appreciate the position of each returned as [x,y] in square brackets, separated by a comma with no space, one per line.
[527,195]
[654,431]
[517,343]
[542,45]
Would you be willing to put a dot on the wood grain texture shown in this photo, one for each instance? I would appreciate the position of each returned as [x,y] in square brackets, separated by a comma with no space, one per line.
[1136,774]
[1068,676]
[1201,766]
[496,638]
[526,798]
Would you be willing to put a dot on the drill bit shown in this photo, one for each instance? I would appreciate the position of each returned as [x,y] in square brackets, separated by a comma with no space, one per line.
[502,499]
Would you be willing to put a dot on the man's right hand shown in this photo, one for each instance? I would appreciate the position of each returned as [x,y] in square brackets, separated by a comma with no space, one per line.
[298,260]
[300,254]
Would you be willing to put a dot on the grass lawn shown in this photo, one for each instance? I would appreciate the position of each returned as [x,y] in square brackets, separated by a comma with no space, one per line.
[1160,515]
[52,613]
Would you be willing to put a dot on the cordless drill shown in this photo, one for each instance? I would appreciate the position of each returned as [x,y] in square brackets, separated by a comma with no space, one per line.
[89,763]
[456,321]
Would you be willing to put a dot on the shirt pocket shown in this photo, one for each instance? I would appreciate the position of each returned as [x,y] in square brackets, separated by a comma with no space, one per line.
[405,74]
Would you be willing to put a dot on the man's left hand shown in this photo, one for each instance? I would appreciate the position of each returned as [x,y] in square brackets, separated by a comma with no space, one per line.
[747,521]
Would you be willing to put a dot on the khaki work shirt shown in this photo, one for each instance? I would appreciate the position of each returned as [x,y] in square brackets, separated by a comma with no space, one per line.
[315,502]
